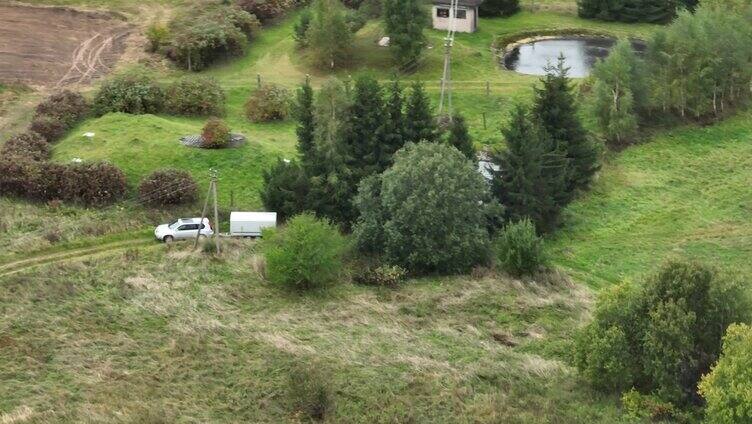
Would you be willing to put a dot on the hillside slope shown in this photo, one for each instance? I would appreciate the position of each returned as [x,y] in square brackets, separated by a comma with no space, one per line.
[687,193]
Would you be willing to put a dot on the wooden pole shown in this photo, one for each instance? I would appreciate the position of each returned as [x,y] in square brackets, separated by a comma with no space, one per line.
[488,88]
[484,120]
[203,214]
[258,80]
[216,213]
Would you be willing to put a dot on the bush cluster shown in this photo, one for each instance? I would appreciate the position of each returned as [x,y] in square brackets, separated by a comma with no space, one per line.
[499,7]
[661,337]
[168,187]
[195,96]
[269,103]
[652,11]
[307,253]
[57,114]
[87,183]
[381,276]
[198,37]
[266,9]
[134,92]
[215,135]
[519,250]
[28,145]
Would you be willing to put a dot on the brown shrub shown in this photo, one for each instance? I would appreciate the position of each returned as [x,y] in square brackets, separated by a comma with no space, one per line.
[216,134]
[66,106]
[95,183]
[49,127]
[168,187]
[269,103]
[19,176]
[28,145]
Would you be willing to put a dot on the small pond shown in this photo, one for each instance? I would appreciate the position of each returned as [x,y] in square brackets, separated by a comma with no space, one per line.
[580,53]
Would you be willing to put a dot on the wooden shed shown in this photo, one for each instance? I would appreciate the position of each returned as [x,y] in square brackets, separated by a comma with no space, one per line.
[466,19]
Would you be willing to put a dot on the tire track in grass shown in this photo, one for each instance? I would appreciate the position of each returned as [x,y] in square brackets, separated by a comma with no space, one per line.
[82,253]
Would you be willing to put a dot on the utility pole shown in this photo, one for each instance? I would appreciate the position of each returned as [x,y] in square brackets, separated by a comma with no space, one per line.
[216,213]
[212,192]
[446,79]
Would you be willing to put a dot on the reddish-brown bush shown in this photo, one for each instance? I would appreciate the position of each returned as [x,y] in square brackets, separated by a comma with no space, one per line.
[266,9]
[216,134]
[95,183]
[49,127]
[28,145]
[66,106]
[19,176]
[168,187]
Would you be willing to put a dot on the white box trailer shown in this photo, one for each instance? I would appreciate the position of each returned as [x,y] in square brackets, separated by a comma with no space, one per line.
[250,224]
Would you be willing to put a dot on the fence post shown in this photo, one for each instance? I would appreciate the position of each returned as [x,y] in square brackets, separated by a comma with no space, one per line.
[484,120]
[488,88]
[258,80]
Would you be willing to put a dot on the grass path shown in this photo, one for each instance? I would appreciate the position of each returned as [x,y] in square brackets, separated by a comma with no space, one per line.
[46,257]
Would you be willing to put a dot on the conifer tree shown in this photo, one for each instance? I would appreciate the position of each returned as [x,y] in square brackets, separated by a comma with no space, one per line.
[419,119]
[305,129]
[524,184]
[404,21]
[554,108]
[394,137]
[364,132]
[459,136]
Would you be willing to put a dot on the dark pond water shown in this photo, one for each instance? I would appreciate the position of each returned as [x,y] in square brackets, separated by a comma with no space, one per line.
[580,54]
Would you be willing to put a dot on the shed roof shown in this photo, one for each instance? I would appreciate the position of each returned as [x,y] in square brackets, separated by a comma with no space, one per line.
[465,3]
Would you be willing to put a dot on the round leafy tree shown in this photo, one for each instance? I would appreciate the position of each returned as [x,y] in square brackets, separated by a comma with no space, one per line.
[215,135]
[168,187]
[426,212]
[195,96]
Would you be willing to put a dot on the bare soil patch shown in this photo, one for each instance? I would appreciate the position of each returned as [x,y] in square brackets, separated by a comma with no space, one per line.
[50,47]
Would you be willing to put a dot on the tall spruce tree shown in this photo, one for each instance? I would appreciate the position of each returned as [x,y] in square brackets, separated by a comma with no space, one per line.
[419,119]
[404,21]
[524,183]
[555,110]
[306,128]
[394,137]
[459,136]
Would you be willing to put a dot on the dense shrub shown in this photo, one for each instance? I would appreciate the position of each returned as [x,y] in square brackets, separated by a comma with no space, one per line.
[195,96]
[168,187]
[89,183]
[158,36]
[285,189]
[425,212]
[215,135]
[266,9]
[499,7]
[66,106]
[381,276]
[309,390]
[134,92]
[199,37]
[660,337]
[269,103]
[86,183]
[306,253]
[647,407]
[29,145]
[49,127]
[653,11]
[19,176]
[726,388]
[519,249]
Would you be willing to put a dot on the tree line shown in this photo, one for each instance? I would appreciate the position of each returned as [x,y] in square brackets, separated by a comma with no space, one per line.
[698,68]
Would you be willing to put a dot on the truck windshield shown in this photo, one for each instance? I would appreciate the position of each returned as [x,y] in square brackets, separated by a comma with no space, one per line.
[173,224]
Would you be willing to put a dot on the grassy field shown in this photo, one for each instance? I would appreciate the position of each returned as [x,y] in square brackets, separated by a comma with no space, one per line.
[685,193]
[159,335]
[141,144]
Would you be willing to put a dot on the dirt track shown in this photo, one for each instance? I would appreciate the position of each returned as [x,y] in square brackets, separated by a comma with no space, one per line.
[54,46]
